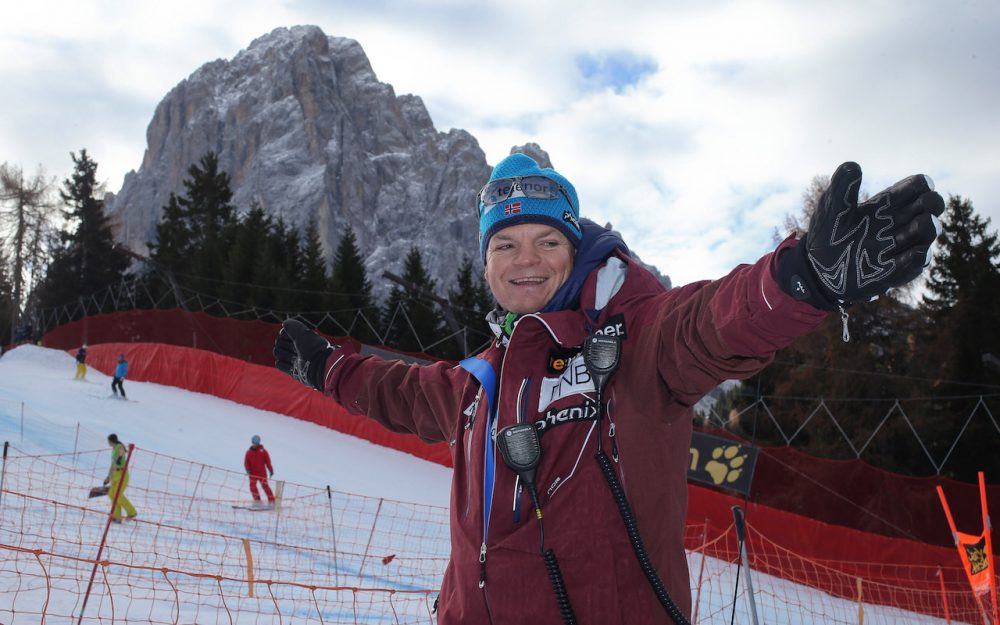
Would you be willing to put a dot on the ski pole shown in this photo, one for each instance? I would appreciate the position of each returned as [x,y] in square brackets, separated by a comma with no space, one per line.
[741,536]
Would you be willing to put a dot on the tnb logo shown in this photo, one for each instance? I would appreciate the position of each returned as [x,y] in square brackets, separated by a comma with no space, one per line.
[575,380]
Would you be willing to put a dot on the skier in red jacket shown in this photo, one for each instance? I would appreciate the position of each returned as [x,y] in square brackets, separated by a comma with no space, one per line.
[612,478]
[257,462]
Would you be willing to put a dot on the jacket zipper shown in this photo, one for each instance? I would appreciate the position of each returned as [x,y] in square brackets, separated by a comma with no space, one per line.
[489,466]
[482,582]
[491,433]
[522,408]
[489,477]
[467,436]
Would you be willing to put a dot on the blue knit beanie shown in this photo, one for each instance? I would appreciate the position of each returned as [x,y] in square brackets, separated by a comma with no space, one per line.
[557,212]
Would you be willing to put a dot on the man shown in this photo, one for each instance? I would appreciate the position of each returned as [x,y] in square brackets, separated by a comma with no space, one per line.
[81,363]
[611,479]
[118,478]
[120,371]
[257,463]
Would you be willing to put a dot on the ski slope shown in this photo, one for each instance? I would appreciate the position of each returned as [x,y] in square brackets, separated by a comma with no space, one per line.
[44,411]
[198,427]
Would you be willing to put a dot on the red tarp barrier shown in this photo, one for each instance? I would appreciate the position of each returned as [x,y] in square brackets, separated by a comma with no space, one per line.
[252,385]
[855,494]
[269,389]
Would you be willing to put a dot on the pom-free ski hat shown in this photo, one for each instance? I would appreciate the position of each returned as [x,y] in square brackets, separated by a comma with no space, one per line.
[521,192]
[255,439]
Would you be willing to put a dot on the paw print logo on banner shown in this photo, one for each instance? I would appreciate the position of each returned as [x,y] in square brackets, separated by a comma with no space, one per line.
[726,464]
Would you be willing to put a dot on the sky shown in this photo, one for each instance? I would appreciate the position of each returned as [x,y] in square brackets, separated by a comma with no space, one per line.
[43,410]
[693,127]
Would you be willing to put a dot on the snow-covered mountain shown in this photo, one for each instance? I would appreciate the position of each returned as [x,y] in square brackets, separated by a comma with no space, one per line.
[304,128]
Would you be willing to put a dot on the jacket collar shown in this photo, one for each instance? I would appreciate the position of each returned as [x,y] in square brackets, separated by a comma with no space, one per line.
[597,245]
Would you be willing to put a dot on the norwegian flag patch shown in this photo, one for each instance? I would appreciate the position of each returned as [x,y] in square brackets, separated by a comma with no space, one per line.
[512,209]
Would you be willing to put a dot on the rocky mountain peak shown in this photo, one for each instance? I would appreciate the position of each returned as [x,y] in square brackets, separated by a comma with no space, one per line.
[304,128]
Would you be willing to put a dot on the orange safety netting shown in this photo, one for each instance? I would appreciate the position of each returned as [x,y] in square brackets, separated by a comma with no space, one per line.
[323,556]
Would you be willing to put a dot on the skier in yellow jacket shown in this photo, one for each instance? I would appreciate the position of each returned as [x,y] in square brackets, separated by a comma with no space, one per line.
[81,363]
[118,475]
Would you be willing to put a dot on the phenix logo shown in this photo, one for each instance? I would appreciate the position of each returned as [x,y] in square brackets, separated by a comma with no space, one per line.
[552,418]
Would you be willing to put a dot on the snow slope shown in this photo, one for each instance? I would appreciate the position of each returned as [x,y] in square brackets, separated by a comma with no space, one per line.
[196,427]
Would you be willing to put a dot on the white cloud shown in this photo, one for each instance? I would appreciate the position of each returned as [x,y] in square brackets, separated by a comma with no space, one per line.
[747,103]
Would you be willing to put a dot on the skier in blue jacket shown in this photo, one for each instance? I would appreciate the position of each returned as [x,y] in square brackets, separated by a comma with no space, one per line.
[120,371]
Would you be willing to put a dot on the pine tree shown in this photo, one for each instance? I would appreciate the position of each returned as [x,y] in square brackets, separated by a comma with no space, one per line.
[212,220]
[966,260]
[470,301]
[88,261]
[287,266]
[196,232]
[170,253]
[174,241]
[241,284]
[954,349]
[963,283]
[274,268]
[422,325]
[352,302]
[311,281]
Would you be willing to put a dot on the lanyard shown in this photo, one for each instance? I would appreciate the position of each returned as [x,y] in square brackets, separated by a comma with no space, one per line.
[487,378]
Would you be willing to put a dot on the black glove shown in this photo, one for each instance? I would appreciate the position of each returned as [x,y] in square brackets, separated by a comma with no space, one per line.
[856,252]
[301,353]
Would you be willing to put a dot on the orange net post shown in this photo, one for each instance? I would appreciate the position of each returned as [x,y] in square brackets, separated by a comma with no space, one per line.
[944,597]
[861,604]
[976,554]
[246,550]
[987,532]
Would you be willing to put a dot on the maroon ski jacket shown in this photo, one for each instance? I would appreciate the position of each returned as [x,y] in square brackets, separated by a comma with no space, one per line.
[677,345]
[257,462]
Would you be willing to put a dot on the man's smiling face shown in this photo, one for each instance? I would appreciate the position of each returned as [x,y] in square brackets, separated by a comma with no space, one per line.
[526,264]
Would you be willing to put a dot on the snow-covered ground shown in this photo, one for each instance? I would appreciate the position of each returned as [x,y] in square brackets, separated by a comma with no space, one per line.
[200,428]
[189,441]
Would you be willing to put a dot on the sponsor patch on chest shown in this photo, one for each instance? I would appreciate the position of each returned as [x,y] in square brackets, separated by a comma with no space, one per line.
[574,380]
[612,326]
[586,411]
[559,359]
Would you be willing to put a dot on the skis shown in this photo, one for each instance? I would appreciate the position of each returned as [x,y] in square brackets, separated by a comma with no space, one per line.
[254,507]
[134,401]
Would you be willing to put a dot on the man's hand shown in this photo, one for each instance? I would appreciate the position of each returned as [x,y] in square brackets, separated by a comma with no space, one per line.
[301,353]
[270,473]
[106,480]
[856,252]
